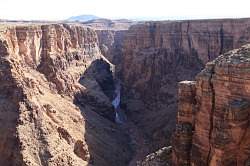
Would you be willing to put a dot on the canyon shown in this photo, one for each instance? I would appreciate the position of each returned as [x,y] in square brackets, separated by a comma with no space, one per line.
[106,93]
[157,55]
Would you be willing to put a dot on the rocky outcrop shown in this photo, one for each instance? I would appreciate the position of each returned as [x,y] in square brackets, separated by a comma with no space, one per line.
[42,117]
[162,157]
[182,138]
[213,115]
[157,55]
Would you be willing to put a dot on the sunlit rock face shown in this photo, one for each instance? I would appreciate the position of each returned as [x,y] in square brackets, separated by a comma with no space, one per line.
[213,114]
[42,117]
[157,55]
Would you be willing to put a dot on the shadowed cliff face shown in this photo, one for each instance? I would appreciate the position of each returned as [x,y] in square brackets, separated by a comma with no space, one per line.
[111,43]
[10,95]
[99,82]
[213,114]
[111,35]
[39,79]
[157,55]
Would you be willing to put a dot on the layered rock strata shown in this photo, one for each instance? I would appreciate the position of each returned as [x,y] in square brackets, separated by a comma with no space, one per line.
[42,117]
[111,37]
[213,116]
[157,55]
[182,141]
[111,42]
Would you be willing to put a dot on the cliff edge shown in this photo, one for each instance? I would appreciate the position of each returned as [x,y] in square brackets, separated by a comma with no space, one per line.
[213,114]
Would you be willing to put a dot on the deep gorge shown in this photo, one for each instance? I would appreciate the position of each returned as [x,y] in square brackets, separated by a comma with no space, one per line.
[88,96]
[155,56]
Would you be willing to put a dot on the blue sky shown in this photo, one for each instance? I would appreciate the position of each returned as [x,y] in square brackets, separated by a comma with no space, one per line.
[164,9]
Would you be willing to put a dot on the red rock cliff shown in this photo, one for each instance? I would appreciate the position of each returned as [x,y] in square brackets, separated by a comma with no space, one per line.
[157,55]
[213,114]
[111,42]
[42,116]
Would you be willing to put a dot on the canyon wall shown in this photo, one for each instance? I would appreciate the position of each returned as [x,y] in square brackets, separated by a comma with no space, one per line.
[53,111]
[111,42]
[213,114]
[157,55]
[111,35]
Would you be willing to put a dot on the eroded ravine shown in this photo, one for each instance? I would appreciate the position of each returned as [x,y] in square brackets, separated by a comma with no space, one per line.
[119,114]
[138,140]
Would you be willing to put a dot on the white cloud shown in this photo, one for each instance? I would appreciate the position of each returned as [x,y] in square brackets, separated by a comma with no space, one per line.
[61,9]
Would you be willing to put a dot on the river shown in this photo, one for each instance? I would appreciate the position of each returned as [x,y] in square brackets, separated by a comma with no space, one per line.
[120,116]
[137,137]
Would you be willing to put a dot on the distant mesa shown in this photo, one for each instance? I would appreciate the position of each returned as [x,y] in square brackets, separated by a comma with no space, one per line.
[83,18]
[108,24]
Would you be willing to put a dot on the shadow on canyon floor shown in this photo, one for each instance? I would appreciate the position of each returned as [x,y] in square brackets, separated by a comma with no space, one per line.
[99,83]
[107,143]
[99,71]
[9,102]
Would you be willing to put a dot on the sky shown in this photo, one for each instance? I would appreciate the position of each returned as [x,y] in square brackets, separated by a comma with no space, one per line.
[131,9]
